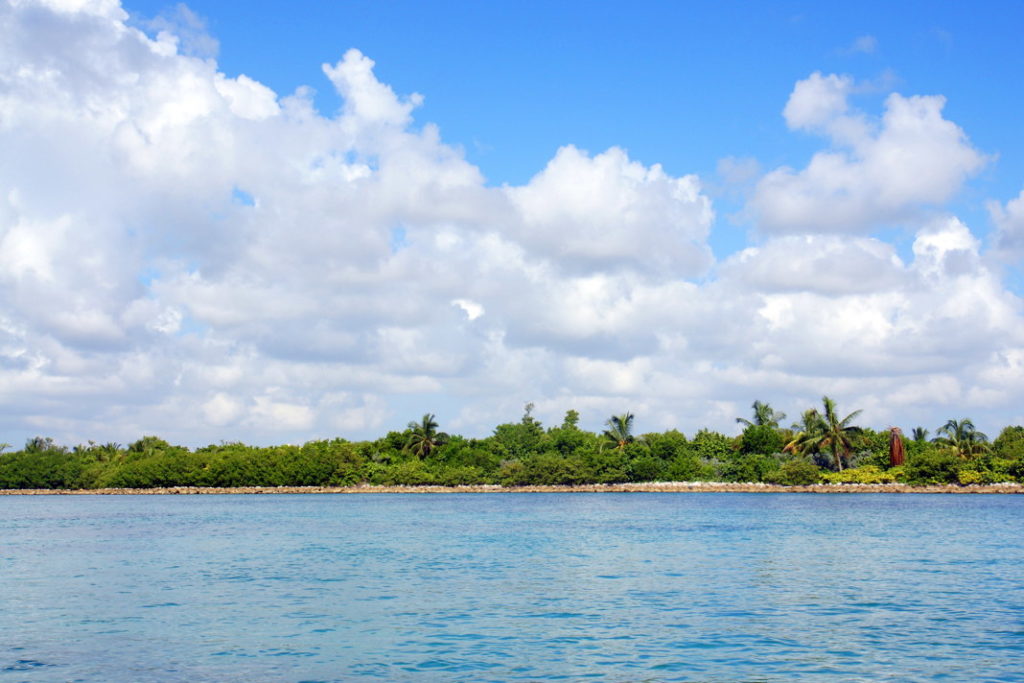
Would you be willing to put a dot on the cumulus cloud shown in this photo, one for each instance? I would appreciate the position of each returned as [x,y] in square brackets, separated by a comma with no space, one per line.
[822,264]
[907,322]
[603,212]
[1009,221]
[197,256]
[876,171]
[186,29]
[817,101]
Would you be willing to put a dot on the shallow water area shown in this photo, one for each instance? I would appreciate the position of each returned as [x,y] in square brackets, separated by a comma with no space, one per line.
[545,586]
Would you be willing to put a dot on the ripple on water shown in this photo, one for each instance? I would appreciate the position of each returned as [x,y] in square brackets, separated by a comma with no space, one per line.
[493,587]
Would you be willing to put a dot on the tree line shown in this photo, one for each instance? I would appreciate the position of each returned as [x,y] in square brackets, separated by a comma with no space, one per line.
[820,447]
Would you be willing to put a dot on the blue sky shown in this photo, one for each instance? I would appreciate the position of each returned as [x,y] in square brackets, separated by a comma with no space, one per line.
[513,81]
[669,208]
[680,84]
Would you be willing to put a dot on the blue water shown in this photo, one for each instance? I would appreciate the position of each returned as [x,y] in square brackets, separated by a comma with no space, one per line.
[504,587]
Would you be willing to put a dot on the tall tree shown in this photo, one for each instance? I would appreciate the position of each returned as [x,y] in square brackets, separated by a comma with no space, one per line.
[825,432]
[424,437]
[837,432]
[764,416]
[919,434]
[620,431]
[962,439]
[807,433]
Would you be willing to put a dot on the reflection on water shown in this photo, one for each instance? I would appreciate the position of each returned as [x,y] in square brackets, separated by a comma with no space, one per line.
[618,587]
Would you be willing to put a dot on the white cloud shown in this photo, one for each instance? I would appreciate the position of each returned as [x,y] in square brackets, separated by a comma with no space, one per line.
[203,258]
[280,415]
[186,29]
[246,98]
[1009,222]
[866,44]
[367,100]
[603,212]
[222,409]
[817,101]
[103,8]
[356,413]
[824,264]
[876,171]
[472,309]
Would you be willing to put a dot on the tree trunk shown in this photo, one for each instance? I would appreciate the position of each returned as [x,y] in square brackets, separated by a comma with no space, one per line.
[896,453]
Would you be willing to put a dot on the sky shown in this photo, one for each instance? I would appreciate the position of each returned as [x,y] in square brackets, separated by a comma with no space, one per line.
[274,223]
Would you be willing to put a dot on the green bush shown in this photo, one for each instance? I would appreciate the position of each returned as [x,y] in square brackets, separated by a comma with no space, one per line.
[160,469]
[710,446]
[46,469]
[870,459]
[462,453]
[871,448]
[553,469]
[1010,443]
[516,440]
[609,466]
[517,454]
[866,474]
[969,477]
[512,473]
[688,467]
[749,468]
[545,469]
[238,467]
[797,472]
[760,439]
[932,467]
[993,468]
[461,476]
[567,439]
[668,445]
[647,468]
[408,473]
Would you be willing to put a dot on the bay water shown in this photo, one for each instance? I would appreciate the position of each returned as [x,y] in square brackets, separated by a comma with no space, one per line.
[512,587]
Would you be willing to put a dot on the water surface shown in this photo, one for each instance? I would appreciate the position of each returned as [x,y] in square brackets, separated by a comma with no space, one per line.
[504,587]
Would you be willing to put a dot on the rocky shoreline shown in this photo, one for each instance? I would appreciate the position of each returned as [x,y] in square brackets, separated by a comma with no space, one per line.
[651,487]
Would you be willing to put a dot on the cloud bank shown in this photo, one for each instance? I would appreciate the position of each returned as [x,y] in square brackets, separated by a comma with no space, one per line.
[194,255]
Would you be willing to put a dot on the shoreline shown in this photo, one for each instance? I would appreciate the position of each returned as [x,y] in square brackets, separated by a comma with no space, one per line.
[650,487]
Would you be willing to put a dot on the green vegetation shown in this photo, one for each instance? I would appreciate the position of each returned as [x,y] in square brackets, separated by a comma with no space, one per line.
[764,416]
[820,448]
[962,439]
[424,437]
[822,432]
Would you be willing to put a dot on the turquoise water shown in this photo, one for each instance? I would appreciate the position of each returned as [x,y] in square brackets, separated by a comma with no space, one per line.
[503,587]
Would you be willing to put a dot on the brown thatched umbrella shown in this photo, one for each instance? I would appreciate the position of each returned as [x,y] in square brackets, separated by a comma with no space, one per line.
[895,447]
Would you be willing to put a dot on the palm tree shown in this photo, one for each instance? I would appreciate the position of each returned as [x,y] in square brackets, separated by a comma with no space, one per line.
[764,415]
[807,432]
[619,432]
[825,431]
[919,434]
[837,432]
[424,437]
[962,438]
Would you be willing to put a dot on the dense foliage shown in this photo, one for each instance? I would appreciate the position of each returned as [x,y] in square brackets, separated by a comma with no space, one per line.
[821,447]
